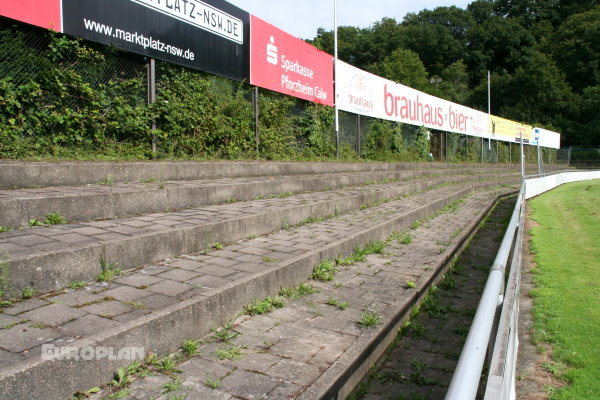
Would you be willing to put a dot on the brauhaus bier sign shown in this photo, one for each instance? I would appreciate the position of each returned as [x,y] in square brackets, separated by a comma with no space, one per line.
[209,35]
[364,93]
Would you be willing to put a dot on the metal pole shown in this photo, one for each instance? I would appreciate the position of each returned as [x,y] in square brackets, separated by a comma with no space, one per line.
[509,152]
[522,159]
[482,150]
[257,137]
[540,160]
[335,58]
[151,80]
[489,79]
[446,145]
[358,134]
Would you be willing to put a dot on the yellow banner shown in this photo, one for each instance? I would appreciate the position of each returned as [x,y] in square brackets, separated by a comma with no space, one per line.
[511,131]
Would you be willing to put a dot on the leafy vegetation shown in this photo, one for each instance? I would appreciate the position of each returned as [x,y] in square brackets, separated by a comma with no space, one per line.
[368,319]
[229,352]
[263,306]
[107,270]
[65,98]
[297,292]
[325,271]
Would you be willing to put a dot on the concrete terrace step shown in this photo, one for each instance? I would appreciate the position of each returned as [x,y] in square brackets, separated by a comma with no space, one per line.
[189,295]
[17,174]
[94,202]
[51,257]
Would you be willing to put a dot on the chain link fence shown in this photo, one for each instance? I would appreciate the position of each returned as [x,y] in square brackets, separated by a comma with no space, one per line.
[26,56]
[58,92]
[580,157]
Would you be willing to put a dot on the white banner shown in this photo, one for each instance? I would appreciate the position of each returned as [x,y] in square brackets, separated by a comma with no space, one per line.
[364,93]
[546,138]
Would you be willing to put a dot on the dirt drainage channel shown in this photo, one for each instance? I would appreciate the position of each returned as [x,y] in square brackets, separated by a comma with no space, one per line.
[421,361]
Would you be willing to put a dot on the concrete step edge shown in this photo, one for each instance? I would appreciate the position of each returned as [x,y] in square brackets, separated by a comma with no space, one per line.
[55,269]
[89,205]
[36,174]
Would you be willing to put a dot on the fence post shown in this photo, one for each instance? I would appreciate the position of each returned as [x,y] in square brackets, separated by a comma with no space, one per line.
[482,150]
[151,80]
[256,111]
[497,151]
[522,159]
[446,147]
[358,134]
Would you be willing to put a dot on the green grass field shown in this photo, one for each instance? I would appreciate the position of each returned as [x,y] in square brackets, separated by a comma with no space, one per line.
[567,295]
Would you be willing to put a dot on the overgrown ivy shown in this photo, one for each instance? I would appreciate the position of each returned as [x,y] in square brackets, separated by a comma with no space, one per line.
[67,98]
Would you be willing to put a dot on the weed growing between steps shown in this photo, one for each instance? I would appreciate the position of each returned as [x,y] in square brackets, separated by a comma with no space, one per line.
[264,306]
[368,319]
[108,270]
[54,218]
[326,270]
[301,290]
[332,301]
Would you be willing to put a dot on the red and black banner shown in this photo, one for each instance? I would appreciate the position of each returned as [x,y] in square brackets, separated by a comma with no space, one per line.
[210,35]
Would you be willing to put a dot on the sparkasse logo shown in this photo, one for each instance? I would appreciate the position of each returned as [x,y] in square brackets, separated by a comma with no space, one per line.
[272,52]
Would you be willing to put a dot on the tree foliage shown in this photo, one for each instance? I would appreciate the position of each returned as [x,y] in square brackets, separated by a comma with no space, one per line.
[544,57]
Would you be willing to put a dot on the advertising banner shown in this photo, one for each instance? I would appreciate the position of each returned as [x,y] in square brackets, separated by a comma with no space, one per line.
[42,13]
[546,138]
[209,35]
[286,64]
[364,93]
[509,131]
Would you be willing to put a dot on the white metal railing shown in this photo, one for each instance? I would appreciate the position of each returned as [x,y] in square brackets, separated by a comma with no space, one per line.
[498,301]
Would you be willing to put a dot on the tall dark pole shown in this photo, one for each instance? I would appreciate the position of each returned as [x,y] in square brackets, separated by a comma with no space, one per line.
[151,79]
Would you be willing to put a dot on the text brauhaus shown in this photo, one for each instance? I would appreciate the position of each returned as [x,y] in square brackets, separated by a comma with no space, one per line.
[414,110]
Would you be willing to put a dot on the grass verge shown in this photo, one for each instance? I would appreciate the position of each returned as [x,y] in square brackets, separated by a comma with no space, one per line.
[566,309]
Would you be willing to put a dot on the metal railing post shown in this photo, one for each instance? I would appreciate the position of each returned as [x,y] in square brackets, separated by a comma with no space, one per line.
[256,115]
